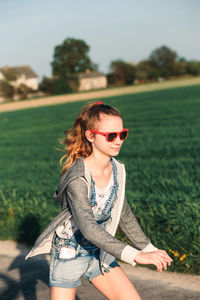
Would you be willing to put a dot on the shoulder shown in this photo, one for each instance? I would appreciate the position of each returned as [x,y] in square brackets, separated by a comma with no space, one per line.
[76,170]
[74,173]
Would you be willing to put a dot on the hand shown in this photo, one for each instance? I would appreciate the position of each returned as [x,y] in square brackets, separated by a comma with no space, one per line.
[158,258]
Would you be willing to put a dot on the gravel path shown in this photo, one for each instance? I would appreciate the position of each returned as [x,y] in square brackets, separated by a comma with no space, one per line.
[96,95]
[28,280]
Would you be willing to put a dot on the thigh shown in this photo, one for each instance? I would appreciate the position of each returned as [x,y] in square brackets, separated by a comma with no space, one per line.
[57,293]
[115,285]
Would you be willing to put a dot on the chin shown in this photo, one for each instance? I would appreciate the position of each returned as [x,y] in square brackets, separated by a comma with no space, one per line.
[115,152]
[112,152]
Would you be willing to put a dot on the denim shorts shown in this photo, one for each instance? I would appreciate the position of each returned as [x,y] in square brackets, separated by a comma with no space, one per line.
[84,262]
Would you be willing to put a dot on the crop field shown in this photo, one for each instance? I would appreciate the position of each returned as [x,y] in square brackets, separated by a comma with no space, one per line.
[161,154]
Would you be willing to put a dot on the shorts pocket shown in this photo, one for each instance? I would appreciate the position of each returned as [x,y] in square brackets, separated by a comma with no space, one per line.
[65,249]
[67,253]
[68,270]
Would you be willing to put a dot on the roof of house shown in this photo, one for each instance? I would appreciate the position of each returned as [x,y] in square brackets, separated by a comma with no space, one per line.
[90,74]
[22,70]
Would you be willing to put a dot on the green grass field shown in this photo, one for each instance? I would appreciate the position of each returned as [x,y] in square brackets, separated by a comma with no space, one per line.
[161,154]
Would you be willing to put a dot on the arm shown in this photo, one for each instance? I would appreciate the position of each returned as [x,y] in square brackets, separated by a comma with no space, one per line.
[132,230]
[77,197]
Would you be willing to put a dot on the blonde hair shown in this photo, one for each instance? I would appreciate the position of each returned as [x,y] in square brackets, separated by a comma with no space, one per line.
[76,144]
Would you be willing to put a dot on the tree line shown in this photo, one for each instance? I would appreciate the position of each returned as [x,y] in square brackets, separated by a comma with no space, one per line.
[71,58]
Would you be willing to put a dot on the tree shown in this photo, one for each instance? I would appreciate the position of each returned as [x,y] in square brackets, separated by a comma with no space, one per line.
[193,67]
[55,86]
[121,73]
[61,86]
[163,58]
[23,90]
[6,89]
[180,68]
[70,58]
[46,85]
[145,71]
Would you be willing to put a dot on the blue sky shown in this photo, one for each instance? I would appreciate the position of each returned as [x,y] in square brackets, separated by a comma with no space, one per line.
[128,29]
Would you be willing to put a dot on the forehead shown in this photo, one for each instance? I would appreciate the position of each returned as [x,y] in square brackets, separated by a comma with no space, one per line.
[109,123]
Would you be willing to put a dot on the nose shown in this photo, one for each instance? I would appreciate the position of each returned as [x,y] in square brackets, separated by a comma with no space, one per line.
[118,141]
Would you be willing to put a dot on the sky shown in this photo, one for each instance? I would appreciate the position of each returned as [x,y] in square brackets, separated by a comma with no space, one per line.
[127,29]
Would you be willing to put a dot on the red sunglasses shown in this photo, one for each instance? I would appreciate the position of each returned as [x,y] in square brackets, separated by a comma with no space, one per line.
[111,136]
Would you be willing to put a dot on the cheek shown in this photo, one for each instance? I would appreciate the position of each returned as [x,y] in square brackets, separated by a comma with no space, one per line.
[101,142]
[99,138]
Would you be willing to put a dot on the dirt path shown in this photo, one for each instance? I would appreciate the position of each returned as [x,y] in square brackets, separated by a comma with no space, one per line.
[28,280]
[96,95]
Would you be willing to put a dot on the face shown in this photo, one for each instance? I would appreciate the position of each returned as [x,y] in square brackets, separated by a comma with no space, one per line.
[99,142]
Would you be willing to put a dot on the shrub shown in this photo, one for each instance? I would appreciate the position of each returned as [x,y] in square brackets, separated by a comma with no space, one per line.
[6,89]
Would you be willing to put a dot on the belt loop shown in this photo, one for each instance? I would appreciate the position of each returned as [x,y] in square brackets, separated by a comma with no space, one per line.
[102,268]
[78,248]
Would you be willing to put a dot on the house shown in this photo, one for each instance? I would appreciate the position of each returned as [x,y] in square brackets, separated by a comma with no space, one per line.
[91,80]
[24,75]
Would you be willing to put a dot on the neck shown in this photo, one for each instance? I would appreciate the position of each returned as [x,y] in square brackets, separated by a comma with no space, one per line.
[98,162]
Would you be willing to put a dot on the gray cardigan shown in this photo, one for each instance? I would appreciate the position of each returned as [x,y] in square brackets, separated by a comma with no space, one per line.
[73,192]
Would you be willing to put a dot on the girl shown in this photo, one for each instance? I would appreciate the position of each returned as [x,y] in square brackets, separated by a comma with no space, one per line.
[92,194]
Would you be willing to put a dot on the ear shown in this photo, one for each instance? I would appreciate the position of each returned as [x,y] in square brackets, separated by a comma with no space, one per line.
[89,136]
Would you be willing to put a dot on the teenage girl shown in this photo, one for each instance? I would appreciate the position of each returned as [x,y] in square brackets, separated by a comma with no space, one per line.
[92,195]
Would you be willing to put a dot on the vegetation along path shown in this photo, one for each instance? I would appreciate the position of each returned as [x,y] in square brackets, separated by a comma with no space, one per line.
[52,100]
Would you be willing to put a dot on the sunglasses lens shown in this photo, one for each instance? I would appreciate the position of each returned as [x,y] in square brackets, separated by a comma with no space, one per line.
[112,136]
[123,135]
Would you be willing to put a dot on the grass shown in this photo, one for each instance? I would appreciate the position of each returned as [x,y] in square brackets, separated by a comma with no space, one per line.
[161,156]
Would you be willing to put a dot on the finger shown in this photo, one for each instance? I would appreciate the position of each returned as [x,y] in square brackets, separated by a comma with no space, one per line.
[165,256]
[165,261]
[158,264]
[169,263]
[162,260]
[163,252]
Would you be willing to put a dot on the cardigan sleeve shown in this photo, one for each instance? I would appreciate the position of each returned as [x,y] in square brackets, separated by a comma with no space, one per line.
[77,197]
[132,230]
